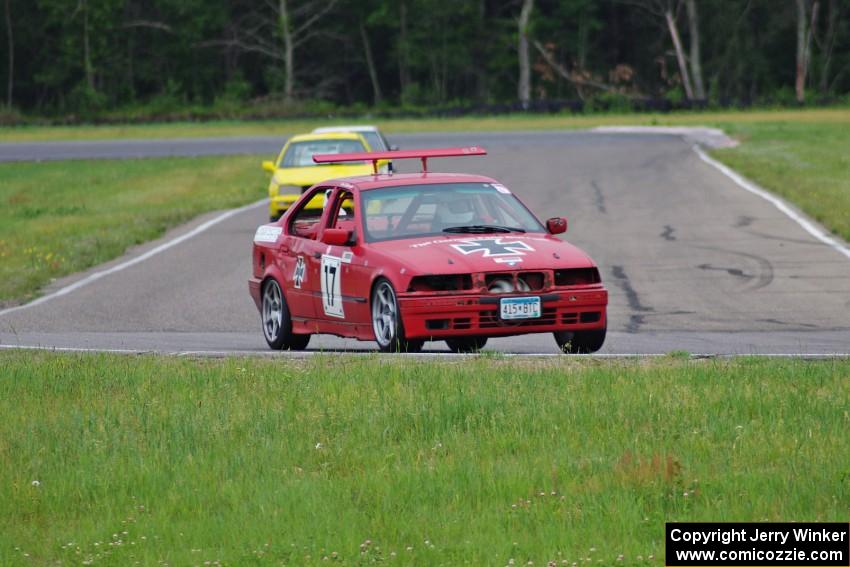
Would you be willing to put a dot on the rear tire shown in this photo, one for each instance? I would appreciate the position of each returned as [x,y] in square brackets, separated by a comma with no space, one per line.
[277,323]
[386,320]
[466,344]
[580,342]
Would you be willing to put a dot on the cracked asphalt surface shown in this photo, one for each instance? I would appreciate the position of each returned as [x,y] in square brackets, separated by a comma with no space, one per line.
[692,262]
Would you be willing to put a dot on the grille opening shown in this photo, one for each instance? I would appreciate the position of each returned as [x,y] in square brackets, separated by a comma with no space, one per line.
[534,280]
[455,282]
[437,324]
[568,318]
[490,319]
[447,324]
[489,279]
[590,317]
[505,283]
[577,276]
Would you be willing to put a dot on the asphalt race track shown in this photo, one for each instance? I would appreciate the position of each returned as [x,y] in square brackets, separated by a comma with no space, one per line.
[692,261]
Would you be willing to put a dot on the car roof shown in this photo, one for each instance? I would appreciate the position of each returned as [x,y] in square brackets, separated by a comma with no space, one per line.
[369,182]
[355,128]
[314,137]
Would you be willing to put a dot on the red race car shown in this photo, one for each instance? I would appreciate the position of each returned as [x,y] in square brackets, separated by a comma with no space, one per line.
[405,258]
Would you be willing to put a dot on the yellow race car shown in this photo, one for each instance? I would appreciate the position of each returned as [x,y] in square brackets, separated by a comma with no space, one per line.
[294,171]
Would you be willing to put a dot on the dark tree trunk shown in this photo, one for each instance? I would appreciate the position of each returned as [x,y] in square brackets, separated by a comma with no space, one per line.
[482,91]
[831,32]
[524,56]
[87,64]
[377,97]
[403,70]
[288,51]
[804,41]
[680,54]
[10,83]
[696,58]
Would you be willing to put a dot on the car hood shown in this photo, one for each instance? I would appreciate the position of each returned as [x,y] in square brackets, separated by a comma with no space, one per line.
[308,176]
[484,253]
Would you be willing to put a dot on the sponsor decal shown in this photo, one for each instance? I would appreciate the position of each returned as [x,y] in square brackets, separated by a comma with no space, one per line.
[331,286]
[300,272]
[346,257]
[509,261]
[462,239]
[493,247]
[501,188]
[267,233]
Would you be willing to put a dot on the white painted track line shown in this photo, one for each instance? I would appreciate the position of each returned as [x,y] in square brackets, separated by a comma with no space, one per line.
[402,356]
[138,259]
[777,202]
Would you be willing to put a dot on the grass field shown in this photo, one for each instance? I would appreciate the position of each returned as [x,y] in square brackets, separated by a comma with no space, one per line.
[112,460]
[57,218]
[807,163]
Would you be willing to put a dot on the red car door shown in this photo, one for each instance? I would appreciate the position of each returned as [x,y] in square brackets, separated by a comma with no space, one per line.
[342,301]
[299,248]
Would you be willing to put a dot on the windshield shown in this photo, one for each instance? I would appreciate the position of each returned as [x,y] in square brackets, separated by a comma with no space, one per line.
[300,154]
[411,211]
[374,140]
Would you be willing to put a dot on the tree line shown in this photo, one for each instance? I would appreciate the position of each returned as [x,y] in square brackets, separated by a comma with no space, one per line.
[89,56]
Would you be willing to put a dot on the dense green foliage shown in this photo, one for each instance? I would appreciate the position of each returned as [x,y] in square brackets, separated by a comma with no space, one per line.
[110,460]
[155,58]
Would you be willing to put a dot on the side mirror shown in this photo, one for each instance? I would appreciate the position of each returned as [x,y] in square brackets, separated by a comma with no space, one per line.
[556,225]
[268,166]
[336,237]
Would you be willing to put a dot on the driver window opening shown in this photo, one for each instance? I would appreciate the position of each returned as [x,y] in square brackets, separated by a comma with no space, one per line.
[342,215]
[305,221]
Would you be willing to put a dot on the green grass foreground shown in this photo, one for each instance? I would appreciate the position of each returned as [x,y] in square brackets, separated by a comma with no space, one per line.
[57,218]
[113,460]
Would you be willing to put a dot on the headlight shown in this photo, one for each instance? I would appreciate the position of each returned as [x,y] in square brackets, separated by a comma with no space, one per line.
[577,276]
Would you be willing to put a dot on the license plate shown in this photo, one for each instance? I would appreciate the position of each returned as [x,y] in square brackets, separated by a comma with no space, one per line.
[520,307]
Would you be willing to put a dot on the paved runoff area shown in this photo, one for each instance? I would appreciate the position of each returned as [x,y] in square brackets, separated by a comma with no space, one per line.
[693,261]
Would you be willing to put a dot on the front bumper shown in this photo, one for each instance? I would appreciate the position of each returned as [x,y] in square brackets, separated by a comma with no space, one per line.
[254,285]
[444,316]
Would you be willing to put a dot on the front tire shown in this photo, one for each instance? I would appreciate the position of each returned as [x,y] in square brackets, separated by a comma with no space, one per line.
[277,323]
[580,342]
[386,320]
[466,344]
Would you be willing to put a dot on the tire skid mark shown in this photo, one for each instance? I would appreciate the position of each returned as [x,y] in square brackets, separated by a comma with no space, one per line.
[731,271]
[636,320]
[745,223]
[598,197]
[788,324]
[667,234]
[763,278]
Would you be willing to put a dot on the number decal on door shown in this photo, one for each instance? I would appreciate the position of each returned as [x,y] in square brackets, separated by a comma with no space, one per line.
[331,288]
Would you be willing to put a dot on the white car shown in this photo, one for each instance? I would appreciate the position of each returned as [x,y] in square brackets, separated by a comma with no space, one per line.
[373,136]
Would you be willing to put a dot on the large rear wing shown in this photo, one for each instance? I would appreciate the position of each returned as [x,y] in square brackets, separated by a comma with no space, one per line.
[423,155]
